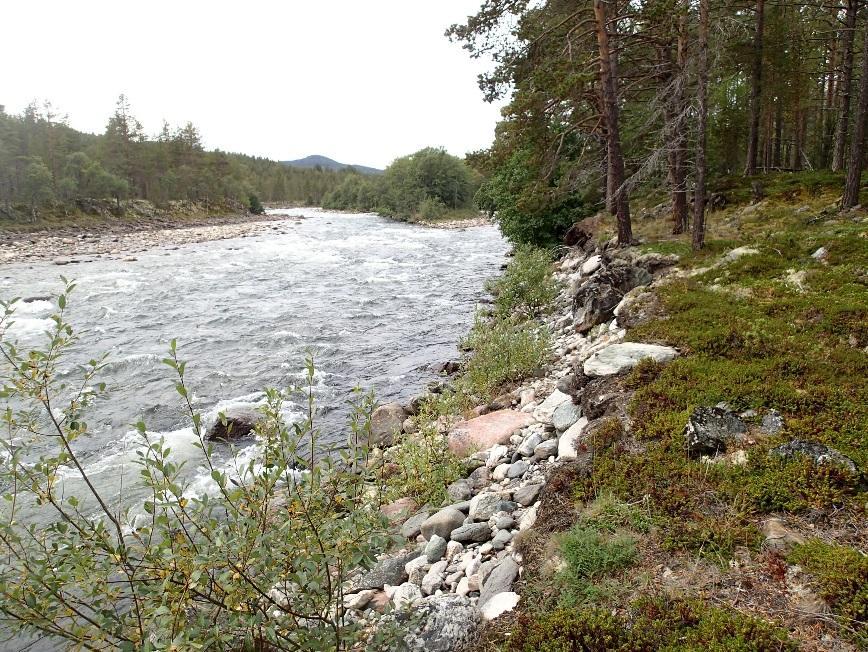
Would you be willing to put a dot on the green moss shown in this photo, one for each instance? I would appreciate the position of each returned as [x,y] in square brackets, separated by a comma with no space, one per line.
[608,514]
[798,352]
[842,576]
[673,625]
[713,537]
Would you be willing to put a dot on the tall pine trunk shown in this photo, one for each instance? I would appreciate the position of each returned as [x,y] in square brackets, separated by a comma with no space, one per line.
[608,88]
[854,169]
[702,131]
[677,153]
[843,123]
[756,90]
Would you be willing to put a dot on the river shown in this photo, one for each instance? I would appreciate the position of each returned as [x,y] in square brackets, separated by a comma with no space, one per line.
[375,302]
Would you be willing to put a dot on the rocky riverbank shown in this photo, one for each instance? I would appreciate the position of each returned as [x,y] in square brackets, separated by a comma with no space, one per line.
[466,560]
[121,239]
[461,563]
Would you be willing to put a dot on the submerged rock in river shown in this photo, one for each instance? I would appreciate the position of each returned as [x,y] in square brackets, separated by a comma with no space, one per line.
[236,423]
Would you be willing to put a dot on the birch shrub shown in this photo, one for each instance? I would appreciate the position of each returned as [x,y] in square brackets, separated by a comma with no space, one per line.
[260,563]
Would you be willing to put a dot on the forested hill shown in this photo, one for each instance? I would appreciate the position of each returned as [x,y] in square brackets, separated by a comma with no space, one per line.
[46,165]
[318,161]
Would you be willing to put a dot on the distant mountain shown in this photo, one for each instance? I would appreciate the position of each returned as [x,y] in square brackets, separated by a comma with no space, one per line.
[327,163]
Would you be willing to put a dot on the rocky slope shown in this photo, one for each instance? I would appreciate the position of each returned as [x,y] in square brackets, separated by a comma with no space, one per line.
[466,562]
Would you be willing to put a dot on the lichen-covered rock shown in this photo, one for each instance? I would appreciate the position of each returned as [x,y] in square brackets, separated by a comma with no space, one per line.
[819,454]
[616,358]
[443,623]
[405,595]
[386,571]
[595,301]
[772,423]
[484,505]
[545,411]
[710,429]
[566,415]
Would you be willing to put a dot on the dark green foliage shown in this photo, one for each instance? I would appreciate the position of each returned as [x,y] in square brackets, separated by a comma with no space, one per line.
[591,556]
[527,211]
[425,185]
[527,287]
[713,537]
[674,625]
[43,160]
[255,205]
[841,573]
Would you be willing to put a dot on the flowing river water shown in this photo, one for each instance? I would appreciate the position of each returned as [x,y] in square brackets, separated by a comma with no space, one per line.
[375,302]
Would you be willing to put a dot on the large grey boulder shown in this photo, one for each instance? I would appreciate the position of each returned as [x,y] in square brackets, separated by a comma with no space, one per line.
[616,358]
[443,623]
[595,301]
[387,421]
[710,429]
[442,523]
[472,532]
[499,580]
[484,505]
[566,415]
[386,571]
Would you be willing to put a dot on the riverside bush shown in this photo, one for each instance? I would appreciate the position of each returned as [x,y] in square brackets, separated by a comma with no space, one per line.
[527,287]
[504,351]
[260,563]
[426,465]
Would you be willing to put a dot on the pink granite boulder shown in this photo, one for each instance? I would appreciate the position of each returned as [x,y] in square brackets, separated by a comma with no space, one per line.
[486,431]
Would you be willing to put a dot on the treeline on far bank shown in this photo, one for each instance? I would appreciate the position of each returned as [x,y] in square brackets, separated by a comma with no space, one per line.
[428,185]
[47,166]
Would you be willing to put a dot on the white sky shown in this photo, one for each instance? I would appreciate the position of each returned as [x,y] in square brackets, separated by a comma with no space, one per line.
[360,81]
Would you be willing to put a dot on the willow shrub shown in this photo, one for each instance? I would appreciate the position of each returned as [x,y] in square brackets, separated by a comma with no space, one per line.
[260,563]
[527,287]
[504,351]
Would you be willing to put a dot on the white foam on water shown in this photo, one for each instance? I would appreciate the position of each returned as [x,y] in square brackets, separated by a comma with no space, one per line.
[33,307]
[28,327]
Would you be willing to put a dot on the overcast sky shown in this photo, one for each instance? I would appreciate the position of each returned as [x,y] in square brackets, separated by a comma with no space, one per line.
[362,82]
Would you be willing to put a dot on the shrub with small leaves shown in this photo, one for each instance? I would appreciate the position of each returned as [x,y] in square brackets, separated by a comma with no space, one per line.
[259,563]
